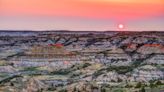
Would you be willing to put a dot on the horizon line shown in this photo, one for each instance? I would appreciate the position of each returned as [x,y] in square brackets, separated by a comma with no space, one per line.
[1,30]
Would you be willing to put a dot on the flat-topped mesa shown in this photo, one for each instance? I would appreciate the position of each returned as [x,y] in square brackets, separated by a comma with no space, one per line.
[48,51]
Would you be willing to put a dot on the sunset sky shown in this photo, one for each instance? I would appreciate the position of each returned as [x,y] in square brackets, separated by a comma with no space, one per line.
[82,15]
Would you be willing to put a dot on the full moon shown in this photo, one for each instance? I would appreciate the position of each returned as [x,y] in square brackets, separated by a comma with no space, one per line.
[120,26]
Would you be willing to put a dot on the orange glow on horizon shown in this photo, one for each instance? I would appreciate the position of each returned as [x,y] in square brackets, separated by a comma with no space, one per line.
[127,1]
[97,9]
